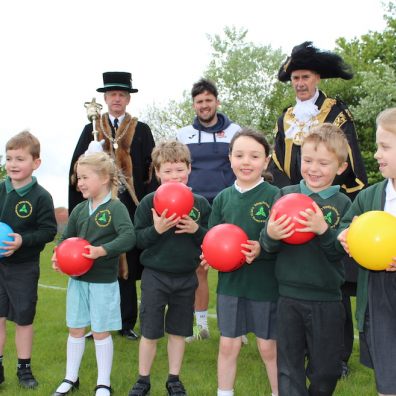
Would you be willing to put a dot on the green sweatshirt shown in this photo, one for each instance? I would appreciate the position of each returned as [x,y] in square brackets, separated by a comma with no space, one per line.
[313,270]
[248,210]
[372,198]
[108,226]
[29,211]
[170,252]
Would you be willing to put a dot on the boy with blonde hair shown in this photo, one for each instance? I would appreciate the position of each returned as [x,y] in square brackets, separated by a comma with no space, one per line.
[171,249]
[28,209]
[310,316]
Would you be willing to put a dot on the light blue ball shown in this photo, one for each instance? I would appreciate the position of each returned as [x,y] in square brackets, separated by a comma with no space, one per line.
[5,229]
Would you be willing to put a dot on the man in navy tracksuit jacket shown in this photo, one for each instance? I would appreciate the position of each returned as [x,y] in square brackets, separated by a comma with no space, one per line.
[208,139]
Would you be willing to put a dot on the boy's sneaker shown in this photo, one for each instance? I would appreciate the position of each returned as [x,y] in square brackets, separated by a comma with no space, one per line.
[175,388]
[140,389]
[199,333]
[1,373]
[26,379]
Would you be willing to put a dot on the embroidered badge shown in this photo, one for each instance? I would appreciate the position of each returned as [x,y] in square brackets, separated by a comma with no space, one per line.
[331,215]
[221,134]
[259,212]
[103,218]
[23,209]
[195,214]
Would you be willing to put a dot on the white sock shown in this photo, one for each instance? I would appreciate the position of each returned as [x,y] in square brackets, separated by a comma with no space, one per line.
[201,318]
[225,392]
[104,359]
[74,354]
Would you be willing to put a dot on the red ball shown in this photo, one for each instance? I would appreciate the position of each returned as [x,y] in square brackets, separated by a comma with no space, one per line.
[291,205]
[174,196]
[70,259]
[221,247]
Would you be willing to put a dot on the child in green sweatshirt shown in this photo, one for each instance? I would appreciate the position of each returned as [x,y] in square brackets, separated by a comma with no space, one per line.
[310,312]
[171,248]
[93,299]
[28,209]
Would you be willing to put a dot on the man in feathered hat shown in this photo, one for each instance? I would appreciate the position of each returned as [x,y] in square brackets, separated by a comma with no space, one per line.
[304,68]
[130,142]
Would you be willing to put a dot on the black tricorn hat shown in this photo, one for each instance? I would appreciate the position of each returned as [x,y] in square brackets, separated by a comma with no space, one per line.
[117,81]
[306,57]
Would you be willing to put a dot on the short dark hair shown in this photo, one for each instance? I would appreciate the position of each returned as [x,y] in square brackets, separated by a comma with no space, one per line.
[255,135]
[204,85]
[260,139]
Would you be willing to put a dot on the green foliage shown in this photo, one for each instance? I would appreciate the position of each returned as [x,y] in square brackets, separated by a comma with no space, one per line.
[373,88]
[2,169]
[164,122]
[245,74]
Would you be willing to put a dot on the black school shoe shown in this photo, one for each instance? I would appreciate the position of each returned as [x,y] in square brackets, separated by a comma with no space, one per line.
[175,388]
[109,388]
[129,334]
[26,379]
[74,386]
[1,373]
[140,389]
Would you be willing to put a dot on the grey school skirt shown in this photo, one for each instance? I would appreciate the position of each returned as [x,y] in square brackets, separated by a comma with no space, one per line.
[378,340]
[237,316]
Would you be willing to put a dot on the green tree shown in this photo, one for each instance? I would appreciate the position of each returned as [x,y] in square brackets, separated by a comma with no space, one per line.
[165,121]
[2,169]
[245,75]
[373,88]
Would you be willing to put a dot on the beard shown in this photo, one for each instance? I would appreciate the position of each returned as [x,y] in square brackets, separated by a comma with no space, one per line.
[208,119]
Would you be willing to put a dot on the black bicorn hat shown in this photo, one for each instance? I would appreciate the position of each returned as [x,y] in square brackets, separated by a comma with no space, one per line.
[117,81]
[306,57]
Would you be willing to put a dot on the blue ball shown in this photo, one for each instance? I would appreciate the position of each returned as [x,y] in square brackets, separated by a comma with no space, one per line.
[5,229]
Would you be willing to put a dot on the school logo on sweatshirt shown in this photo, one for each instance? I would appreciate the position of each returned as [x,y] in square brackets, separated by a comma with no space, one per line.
[23,209]
[260,211]
[195,214]
[331,215]
[103,218]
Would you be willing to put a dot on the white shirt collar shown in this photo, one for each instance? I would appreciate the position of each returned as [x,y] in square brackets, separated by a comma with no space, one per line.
[243,190]
[390,191]
[312,100]
[105,199]
[390,198]
[306,110]
[120,119]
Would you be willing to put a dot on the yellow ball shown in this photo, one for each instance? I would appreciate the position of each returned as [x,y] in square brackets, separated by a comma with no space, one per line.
[372,239]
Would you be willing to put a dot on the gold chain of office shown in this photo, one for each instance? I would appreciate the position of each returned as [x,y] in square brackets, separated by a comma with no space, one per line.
[114,141]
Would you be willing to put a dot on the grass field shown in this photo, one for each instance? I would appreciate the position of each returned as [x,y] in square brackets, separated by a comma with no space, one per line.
[199,368]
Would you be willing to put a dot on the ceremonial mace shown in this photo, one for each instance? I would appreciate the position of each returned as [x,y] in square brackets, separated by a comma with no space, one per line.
[93,113]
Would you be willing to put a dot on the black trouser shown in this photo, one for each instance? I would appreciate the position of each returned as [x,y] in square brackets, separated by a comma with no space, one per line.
[348,290]
[128,296]
[129,307]
[313,329]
